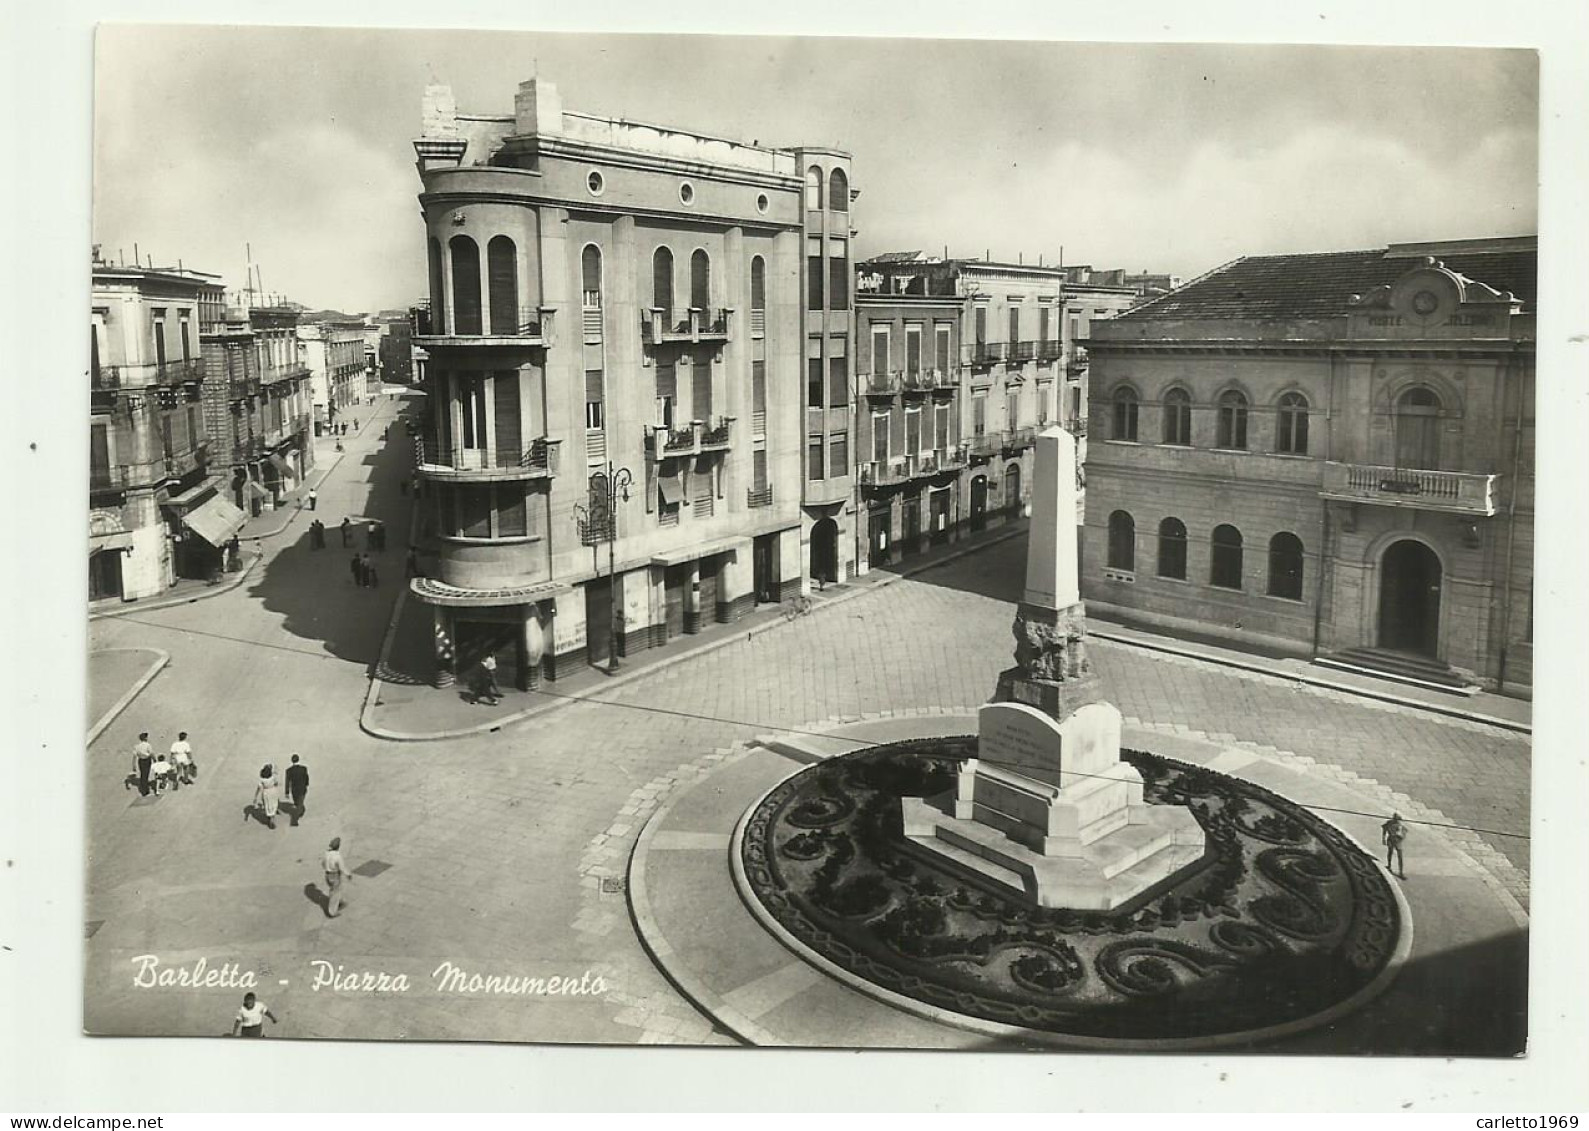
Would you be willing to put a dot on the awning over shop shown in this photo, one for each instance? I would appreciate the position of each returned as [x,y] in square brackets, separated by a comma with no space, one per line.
[215,521]
[259,489]
[283,466]
[672,489]
[120,540]
[193,494]
[702,550]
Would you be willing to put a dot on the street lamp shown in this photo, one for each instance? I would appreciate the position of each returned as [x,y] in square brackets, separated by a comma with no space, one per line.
[598,523]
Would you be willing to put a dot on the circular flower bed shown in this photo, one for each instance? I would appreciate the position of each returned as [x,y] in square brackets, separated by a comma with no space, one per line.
[1282,918]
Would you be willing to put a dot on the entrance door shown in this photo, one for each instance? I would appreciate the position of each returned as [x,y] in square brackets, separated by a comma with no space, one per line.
[675,584]
[825,551]
[940,517]
[104,574]
[598,620]
[709,570]
[476,639]
[979,502]
[1012,488]
[764,568]
[1409,599]
[877,539]
[912,540]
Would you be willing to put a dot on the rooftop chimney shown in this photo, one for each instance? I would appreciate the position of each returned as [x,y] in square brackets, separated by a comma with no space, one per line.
[537,108]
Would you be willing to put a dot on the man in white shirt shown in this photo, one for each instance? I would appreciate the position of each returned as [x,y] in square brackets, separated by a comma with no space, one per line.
[250,1020]
[182,757]
[336,871]
[143,762]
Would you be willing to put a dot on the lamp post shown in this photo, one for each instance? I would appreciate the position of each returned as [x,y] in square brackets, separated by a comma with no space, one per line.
[598,522]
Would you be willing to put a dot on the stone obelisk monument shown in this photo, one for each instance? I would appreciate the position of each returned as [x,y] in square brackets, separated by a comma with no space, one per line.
[1047,808]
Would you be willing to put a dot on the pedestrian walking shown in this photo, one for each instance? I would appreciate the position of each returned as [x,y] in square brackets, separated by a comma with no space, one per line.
[297,787]
[488,679]
[142,762]
[162,774]
[372,535]
[314,499]
[267,794]
[347,532]
[1393,832]
[357,569]
[336,872]
[250,1020]
[182,756]
[371,578]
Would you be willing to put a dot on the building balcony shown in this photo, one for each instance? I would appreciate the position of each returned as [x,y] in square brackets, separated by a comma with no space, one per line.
[536,460]
[696,324]
[180,464]
[984,354]
[885,384]
[1018,439]
[758,498]
[1078,359]
[1077,427]
[1021,352]
[1455,492]
[1048,351]
[274,375]
[525,326]
[941,460]
[693,438]
[888,473]
[596,531]
[109,378]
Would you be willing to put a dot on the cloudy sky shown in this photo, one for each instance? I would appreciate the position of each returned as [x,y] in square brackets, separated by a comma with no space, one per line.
[1163,158]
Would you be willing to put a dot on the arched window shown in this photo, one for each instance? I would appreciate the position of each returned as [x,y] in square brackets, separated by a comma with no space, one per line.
[838,192]
[700,280]
[1292,433]
[465,285]
[1285,566]
[814,188]
[590,277]
[1178,417]
[1172,549]
[502,278]
[758,283]
[1125,414]
[438,297]
[1232,421]
[662,284]
[1224,568]
[1418,429]
[1122,541]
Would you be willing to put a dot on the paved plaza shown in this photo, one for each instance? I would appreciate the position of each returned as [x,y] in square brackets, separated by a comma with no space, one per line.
[505,853]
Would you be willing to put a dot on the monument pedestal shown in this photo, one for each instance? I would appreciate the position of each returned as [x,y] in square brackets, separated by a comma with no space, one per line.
[1047,808]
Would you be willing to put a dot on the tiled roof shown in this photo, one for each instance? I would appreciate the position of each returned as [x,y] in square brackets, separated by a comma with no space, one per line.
[1319,285]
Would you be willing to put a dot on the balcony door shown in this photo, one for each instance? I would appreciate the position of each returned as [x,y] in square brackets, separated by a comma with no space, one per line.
[472,442]
[1409,599]
[1418,429]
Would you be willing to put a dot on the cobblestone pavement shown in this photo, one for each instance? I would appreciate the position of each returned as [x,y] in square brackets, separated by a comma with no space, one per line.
[505,853]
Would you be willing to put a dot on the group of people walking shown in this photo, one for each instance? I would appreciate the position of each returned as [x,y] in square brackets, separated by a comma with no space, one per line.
[267,794]
[364,572]
[154,773]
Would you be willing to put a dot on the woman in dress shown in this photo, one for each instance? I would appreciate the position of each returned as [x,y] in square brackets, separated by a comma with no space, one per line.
[267,796]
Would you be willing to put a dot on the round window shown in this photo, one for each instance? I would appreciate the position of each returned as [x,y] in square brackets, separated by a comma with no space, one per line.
[762,202]
[595,182]
[687,193]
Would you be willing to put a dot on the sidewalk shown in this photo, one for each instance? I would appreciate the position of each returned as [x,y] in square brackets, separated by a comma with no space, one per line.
[403,705]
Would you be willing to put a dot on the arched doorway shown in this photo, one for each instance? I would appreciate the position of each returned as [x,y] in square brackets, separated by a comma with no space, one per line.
[1012,489]
[825,551]
[1409,599]
[1418,429]
[979,502]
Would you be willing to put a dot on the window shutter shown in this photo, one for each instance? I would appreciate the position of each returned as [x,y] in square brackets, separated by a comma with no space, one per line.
[510,434]
[503,278]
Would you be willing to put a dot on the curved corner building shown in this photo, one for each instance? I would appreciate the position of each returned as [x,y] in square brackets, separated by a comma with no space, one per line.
[615,339]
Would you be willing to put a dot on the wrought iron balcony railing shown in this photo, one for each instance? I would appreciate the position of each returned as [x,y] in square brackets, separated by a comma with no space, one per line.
[112,377]
[537,458]
[696,436]
[983,354]
[695,324]
[761,497]
[520,326]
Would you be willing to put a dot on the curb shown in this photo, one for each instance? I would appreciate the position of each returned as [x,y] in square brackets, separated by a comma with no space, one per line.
[711,1003]
[162,658]
[1172,649]
[367,724]
[232,582]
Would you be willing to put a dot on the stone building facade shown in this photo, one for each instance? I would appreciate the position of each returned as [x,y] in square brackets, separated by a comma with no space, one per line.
[960,363]
[1327,455]
[334,351]
[258,405]
[155,509]
[616,315]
